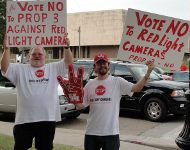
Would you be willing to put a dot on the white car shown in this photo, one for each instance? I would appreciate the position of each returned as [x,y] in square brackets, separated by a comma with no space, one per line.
[8,100]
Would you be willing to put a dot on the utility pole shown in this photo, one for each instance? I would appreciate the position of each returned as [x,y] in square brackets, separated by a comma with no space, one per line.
[79,40]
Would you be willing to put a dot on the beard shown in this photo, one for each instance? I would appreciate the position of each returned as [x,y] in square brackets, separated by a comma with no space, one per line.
[36,63]
[102,71]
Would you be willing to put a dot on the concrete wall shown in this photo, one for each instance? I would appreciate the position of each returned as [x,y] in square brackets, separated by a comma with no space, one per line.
[99,31]
[96,28]
[111,51]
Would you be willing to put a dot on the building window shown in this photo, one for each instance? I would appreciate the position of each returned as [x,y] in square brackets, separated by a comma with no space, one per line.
[50,54]
[88,52]
[75,52]
[83,52]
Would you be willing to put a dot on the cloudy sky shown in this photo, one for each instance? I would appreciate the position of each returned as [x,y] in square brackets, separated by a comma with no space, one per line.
[173,8]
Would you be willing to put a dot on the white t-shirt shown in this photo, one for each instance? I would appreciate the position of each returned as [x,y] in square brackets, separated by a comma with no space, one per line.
[37,91]
[104,96]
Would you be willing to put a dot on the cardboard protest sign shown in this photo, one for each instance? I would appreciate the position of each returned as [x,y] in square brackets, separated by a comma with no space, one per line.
[149,36]
[31,23]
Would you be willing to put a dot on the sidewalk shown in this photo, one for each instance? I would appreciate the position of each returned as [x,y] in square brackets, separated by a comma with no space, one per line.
[128,142]
[76,138]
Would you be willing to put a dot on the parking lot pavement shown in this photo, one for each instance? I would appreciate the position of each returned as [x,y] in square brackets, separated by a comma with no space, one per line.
[76,138]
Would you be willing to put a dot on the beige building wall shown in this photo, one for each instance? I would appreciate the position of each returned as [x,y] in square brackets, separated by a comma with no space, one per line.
[99,31]
[111,51]
[96,28]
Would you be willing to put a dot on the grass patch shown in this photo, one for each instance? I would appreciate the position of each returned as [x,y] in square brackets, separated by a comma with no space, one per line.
[7,143]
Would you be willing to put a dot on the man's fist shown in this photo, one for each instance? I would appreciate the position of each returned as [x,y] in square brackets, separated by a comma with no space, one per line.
[73,87]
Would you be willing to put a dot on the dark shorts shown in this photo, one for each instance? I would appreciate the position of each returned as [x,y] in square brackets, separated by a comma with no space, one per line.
[43,132]
[93,142]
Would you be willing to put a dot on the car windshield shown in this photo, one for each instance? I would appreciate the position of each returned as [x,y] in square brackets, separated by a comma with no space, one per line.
[87,67]
[181,76]
[141,70]
[159,70]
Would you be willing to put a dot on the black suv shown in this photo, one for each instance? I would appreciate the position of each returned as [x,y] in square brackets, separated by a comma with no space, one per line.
[157,99]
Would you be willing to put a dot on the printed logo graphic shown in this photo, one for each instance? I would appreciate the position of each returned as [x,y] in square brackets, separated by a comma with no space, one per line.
[100,90]
[39,73]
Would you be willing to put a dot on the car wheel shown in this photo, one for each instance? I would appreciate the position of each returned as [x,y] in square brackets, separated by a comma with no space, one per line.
[155,109]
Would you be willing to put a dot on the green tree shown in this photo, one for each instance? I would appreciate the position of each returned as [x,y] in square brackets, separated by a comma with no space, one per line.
[2,20]
[3,26]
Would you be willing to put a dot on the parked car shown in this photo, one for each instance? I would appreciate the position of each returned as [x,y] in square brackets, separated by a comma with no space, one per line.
[8,100]
[157,99]
[87,65]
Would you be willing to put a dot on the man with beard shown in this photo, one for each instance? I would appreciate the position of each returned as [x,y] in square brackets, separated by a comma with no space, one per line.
[37,96]
[103,95]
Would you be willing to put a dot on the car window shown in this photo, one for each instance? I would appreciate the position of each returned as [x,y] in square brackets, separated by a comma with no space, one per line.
[141,70]
[120,70]
[181,76]
[87,68]
[86,65]
[124,72]
[159,70]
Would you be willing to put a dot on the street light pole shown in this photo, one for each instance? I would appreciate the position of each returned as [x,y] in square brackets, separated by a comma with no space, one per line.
[79,40]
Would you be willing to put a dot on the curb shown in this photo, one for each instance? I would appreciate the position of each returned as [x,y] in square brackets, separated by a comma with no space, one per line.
[161,143]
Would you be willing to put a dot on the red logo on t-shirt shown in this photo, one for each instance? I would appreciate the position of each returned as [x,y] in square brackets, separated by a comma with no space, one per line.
[39,73]
[100,90]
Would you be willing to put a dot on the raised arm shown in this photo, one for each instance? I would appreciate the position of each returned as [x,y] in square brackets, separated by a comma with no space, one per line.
[68,56]
[139,85]
[5,57]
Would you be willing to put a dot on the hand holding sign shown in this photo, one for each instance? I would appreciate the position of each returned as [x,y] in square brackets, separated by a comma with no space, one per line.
[73,87]
[67,41]
[151,66]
